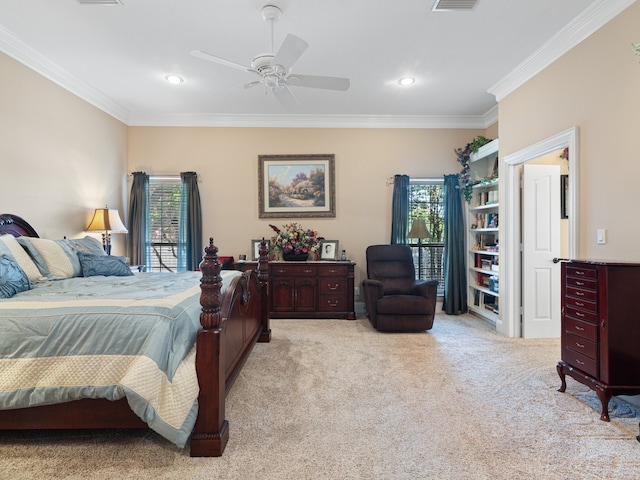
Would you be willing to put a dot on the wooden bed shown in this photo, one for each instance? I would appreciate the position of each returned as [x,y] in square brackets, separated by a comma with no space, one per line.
[231,325]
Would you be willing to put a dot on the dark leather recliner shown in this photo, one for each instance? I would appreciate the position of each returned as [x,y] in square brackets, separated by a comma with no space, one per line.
[394,299]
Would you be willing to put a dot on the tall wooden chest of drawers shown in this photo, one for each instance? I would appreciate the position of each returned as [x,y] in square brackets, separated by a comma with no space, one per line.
[600,337]
[311,290]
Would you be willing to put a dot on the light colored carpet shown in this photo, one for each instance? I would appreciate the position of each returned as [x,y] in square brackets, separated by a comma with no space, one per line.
[334,399]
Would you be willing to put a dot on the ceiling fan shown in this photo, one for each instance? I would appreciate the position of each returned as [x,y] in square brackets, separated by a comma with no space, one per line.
[275,69]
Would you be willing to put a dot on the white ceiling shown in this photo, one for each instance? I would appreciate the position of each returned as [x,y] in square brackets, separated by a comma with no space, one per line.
[116,57]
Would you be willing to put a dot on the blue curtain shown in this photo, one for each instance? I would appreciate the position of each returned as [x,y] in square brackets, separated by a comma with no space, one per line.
[138,244]
[190,234]
[400,209]
[455,276]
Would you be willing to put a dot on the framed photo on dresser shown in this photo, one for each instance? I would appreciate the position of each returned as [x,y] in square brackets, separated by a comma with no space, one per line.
[329,250]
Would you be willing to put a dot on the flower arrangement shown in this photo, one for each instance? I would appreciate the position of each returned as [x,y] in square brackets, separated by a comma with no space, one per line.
[293,238]
[464,156]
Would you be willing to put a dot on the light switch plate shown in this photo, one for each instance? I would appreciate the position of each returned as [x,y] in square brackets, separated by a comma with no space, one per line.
[601,236]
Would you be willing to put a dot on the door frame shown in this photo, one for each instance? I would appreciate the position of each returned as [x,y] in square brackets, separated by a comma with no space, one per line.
[510,321]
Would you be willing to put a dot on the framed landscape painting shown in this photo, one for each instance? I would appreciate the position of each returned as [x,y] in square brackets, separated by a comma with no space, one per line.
[296,186]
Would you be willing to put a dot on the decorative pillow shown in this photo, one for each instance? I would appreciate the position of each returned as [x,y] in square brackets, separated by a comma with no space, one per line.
[103,265]
[12,278]
[86,245]
[9,246]
[54,258]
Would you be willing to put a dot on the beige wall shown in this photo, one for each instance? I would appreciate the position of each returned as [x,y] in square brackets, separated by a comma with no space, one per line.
[227,161]
[595,86]
[61,158]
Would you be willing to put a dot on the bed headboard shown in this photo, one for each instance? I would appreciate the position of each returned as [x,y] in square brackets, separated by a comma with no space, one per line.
[16,226]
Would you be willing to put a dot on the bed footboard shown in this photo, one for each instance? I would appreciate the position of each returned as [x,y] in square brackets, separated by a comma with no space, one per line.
[230,329]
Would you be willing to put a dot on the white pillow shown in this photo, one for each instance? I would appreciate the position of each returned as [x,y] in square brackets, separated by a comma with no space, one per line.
[54,258]
[10,246]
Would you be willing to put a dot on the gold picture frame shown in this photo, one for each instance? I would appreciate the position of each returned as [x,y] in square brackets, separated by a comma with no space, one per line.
[296,186]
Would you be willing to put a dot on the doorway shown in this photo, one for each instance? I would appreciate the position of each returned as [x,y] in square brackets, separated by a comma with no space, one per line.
[509,323]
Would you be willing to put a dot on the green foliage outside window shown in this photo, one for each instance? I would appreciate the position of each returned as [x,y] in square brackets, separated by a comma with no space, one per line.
[426,201]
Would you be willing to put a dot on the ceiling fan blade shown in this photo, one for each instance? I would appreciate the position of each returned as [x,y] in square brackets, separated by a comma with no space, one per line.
[289,52]
[316,81]
[221,61]
[285,97]
[252,84]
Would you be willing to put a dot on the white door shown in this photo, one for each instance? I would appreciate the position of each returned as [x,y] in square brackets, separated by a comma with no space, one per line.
[540,245]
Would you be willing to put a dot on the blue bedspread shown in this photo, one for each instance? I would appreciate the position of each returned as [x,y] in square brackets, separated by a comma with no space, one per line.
[106,337]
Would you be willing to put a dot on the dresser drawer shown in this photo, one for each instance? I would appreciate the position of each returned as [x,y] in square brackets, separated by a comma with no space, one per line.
[582,271]
[332,303]
[292,270]
[580,328]
[581,362]
[581,345]
[578,314]
[332,270]
[581,304]
[332,285]
[590,295]
[581,283]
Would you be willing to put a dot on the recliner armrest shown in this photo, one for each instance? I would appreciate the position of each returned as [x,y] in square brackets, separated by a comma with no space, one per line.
[375,288]
[425,288]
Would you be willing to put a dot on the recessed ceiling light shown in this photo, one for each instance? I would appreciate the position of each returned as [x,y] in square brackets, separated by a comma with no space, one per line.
[406,81]
[175,79]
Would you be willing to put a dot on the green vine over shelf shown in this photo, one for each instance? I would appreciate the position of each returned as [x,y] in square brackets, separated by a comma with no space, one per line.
[464,156]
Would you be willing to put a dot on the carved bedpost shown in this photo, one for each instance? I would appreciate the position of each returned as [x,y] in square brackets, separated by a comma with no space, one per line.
[211,432]
[263,277]
[210,284]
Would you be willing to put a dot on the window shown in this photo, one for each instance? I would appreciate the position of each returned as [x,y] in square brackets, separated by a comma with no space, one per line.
[426,201]
[164,223]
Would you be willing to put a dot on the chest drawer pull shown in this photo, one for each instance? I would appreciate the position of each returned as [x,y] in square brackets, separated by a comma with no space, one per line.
[579,304]
[335,287]
[579,345]
[580,284]
[580,294]
[578,314]
[579,272]
[579,328]
[579,362]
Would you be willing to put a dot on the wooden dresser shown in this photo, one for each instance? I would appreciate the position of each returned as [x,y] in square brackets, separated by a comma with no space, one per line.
[311,290]
[600,337]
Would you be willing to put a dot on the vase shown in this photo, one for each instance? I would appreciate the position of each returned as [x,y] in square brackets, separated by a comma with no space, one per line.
[295,257]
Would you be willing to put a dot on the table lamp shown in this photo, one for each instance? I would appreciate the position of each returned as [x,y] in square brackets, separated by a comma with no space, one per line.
[419,230]
[108,221]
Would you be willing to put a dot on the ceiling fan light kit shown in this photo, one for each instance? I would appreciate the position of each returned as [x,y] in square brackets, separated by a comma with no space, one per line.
[275,68]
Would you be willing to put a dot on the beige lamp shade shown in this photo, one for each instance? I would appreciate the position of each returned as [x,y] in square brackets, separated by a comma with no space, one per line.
[419,229]
[107,220]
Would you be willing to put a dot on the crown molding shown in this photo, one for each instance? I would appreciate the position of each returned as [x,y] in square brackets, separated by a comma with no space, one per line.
[592,19]
[314,121]
[26,55]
